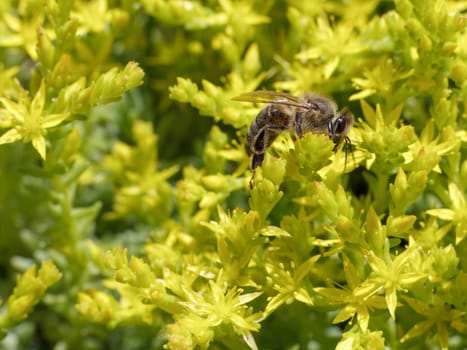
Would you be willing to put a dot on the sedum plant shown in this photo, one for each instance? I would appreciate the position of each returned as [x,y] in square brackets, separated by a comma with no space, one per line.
[125,176]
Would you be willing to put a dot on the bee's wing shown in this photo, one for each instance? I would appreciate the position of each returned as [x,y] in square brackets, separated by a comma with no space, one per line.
[264,96]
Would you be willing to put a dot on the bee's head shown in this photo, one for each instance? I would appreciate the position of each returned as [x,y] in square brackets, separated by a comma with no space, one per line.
[339,126]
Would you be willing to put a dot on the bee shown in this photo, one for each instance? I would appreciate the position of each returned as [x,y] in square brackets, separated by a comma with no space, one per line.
[308,113]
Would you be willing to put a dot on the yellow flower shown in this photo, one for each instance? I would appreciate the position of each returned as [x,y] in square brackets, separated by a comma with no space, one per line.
[28,121]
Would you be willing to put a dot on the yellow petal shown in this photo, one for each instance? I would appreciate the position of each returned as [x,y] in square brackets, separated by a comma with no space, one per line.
[52,120]
[39,144]
[443,214]
[250,341]
[443,335]
[303,296]
[38,102]
[457,197]
[274,303]
[17,111]
[344,314]
[346,344]
[11,135]
[391,301]
[417,330]
[331,67]
[363,318]
[362,94]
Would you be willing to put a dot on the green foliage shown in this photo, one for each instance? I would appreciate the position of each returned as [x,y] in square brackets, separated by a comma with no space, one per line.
[128,183]
[29,290]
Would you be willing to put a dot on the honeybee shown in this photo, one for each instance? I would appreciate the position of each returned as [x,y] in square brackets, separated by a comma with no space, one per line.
[308,113]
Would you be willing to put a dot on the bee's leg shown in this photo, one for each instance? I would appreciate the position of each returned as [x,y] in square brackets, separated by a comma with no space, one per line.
[262,141]
[348,147]
[257,160]
[298,124]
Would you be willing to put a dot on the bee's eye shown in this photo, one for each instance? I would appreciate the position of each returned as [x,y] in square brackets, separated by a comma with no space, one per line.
[313,106]
[340,125]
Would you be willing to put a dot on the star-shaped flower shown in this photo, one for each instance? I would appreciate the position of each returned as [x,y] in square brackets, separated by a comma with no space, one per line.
[28,120]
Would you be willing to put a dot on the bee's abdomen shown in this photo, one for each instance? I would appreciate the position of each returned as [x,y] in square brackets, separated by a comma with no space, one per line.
[269,123]
[254,137]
